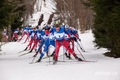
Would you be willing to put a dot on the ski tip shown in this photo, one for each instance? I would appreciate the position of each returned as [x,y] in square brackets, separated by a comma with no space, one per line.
[89,61]
[55,62]
[19,56]
[31,63]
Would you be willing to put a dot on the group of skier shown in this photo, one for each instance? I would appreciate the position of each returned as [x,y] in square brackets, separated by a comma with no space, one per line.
[57,36]
[14,36]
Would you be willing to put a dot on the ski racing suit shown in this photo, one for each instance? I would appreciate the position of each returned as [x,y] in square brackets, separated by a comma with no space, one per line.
[61,41]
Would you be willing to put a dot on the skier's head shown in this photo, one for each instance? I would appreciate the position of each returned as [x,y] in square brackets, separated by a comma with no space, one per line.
[4,29]
[47,27]
[63,24]
[34,28]
[57,24]
[17,28]
[66,26]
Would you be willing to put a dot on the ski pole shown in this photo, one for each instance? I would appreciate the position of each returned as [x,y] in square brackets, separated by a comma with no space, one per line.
[64,50]
[80,46]
[80,53]
[49,57]
[49,52]
[32,60]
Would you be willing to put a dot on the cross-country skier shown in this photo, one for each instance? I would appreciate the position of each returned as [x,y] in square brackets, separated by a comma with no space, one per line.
[32,36]
[28,35]
[73,37]
[49,41]
[36,39]
[5,35]
[25,31]
[60,34]
[15,35]
[44,36]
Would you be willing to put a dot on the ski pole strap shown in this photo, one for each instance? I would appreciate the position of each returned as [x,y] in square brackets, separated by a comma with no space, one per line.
[80,53]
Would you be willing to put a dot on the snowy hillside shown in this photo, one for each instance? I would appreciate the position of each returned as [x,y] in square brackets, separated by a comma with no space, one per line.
[14,67]
[47,9]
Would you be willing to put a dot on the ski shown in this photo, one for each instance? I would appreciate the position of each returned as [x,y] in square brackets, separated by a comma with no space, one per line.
[49,57]
[38,62]
[34,62]
[89,61]
[46,57]
[21,51]
[24,54]
[55,62]
[72,61]
[31,62]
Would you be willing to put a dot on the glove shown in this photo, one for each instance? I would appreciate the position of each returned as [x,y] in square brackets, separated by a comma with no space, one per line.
[75,39]
[79,39]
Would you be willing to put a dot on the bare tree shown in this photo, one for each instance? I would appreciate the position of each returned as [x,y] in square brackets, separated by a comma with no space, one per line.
[40,19]
[29,8]
[50,19]
[74,13]
[71,12]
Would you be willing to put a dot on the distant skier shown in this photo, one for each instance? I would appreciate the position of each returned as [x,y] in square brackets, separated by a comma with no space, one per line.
[15,35]
[36,39]
[25,31]
[5,35]
[32,37]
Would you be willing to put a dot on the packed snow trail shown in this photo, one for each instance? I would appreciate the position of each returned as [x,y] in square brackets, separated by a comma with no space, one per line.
[13,67]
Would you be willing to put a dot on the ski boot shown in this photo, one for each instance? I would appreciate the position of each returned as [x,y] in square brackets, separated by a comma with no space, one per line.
[25,49]
[69,56]
[35,55]
[52,54]
[30,51]
[79,59]
[66,55]
[38,60]
[54,61]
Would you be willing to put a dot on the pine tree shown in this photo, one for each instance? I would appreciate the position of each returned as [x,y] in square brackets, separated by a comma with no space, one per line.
[107,25]
[5,10]
[18,13]
[11,12]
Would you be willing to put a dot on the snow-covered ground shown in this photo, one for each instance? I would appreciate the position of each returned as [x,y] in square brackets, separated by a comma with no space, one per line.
[13,67]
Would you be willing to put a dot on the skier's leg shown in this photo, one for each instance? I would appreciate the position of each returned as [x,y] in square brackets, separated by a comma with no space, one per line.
[58,45]
[67,46]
